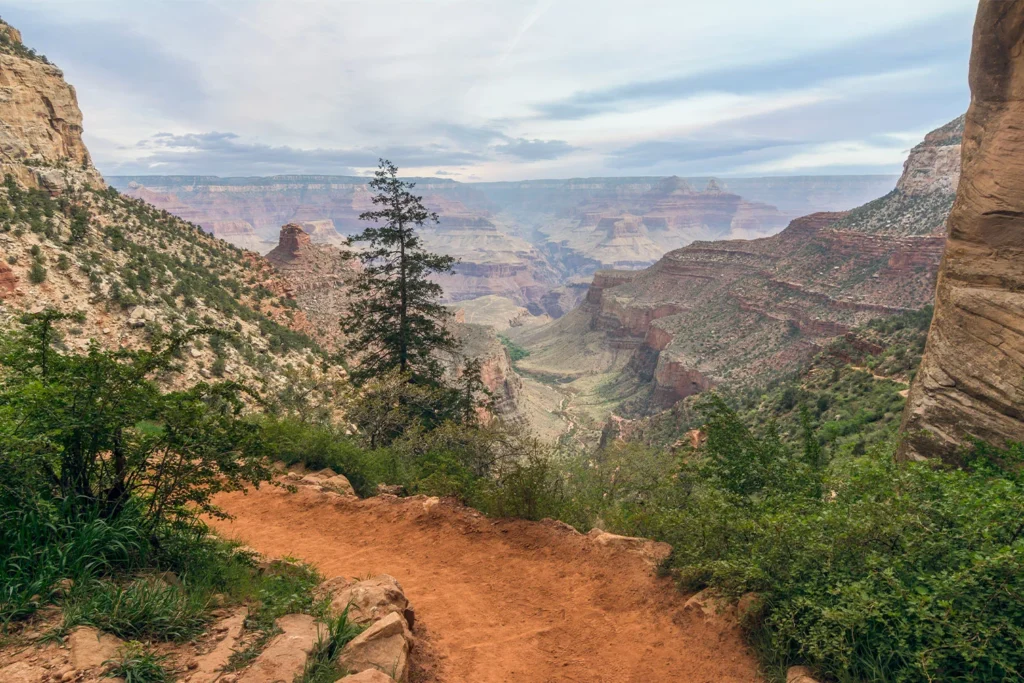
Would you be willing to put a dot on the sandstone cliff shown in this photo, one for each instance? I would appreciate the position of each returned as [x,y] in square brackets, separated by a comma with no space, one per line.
[40,122]
[971,381]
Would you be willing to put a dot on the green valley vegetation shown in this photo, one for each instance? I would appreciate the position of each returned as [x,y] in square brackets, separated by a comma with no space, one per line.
[515,351]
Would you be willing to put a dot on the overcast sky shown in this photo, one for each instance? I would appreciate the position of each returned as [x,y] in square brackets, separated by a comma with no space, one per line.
[506,89]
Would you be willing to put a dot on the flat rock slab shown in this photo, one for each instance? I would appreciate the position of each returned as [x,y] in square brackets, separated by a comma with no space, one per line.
[368,676]
[91,647]
[285,656]
[23,672]
[208,666]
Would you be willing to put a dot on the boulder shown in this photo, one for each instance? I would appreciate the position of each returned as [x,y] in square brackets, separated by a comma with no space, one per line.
[23,672]
[800,674]
[652,551]
[370,600]
[709,605]
[339,484]
[285,656]
[390,489]
[382,647]
[368,676]
[91,647]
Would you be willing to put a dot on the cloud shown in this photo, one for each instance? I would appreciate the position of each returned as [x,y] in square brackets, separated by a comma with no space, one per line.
[940,42]
[503,90]
[535,150]
[220,153]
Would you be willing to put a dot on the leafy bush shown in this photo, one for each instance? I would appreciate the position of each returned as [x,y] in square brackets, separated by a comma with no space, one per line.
[72,422]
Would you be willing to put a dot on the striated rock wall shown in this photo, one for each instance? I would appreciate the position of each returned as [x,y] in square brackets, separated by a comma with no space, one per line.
[742,311]
[40,123]
[971,380]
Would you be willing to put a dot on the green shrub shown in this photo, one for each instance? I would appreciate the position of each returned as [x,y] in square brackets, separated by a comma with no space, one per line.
[322,665]
[37,273]
[899,572]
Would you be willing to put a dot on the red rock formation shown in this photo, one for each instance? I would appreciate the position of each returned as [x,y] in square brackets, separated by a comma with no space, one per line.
[8,281]
[971,380]
[318,276]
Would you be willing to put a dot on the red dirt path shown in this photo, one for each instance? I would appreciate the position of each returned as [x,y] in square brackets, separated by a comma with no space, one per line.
[499,600]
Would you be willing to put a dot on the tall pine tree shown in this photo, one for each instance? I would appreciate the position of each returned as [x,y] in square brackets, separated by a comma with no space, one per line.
[395,320]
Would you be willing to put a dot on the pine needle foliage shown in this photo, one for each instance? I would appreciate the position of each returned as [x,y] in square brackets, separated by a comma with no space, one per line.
[396,320]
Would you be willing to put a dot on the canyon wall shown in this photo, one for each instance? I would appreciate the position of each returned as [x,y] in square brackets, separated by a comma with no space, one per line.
[971,380]
[514,240]
[743,311]
[40,122]
[133,271]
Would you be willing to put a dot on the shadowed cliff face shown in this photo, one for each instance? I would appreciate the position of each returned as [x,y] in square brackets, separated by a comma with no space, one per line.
[971,381]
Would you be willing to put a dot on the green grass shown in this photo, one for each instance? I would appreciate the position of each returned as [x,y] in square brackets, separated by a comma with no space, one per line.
[136,663]
[322,665]
[143,608]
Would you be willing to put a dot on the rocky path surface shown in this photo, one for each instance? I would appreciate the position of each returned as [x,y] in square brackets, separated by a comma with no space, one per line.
[500,600]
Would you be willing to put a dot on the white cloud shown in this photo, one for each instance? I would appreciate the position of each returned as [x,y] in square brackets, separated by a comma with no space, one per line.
[581,78]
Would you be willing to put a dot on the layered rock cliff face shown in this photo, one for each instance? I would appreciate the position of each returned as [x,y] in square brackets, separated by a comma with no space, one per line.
[924,194]
[635,232]
[492,262]
[40,122]
[319,276]
[514,239]
[70,243]
[971,380]
[741,311]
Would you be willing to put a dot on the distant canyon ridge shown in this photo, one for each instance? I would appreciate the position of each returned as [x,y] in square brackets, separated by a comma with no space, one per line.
[530,246]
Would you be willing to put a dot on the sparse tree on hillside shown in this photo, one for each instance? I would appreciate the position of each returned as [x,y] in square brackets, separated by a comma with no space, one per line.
[395,321]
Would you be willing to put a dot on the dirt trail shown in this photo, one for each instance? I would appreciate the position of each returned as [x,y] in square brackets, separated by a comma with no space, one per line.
[500,600]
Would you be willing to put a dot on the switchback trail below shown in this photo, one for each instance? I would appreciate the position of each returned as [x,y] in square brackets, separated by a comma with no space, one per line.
[499,600]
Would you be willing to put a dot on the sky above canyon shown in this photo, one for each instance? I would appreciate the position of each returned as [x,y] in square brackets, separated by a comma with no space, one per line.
[506,89]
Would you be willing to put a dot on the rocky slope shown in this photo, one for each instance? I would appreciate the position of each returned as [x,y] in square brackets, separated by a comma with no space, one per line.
[136,272]
[971,382]
[742,311]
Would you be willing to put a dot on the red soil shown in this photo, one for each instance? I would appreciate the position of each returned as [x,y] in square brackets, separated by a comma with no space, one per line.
[500,600]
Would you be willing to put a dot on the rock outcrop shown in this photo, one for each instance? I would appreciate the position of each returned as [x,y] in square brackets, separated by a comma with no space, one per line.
[384,647]
[285,656]
[40,122]
[319,277]
[370,599]
[971,380]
